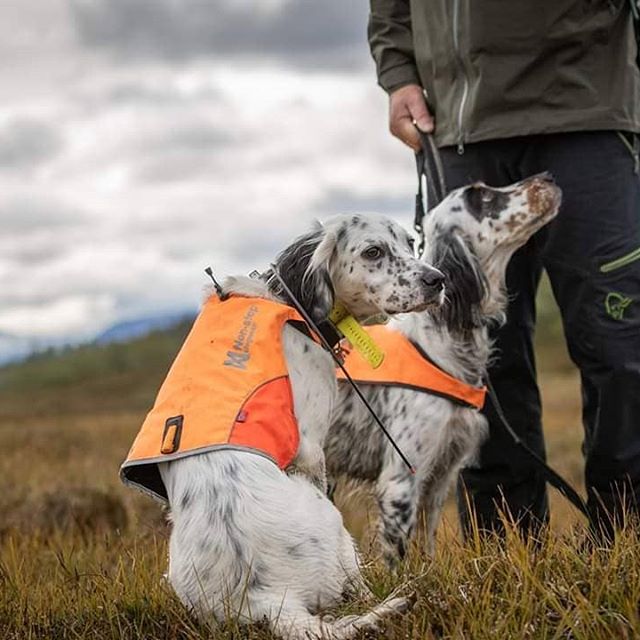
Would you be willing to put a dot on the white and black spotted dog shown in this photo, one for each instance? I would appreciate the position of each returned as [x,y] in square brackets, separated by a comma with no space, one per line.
[470,237]
[249,541]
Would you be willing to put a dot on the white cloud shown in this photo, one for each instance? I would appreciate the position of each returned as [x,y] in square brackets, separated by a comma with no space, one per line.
[152,170]
[304,34]
[76,316]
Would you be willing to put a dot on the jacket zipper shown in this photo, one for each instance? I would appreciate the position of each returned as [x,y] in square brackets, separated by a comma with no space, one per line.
[465,89]
[621,262]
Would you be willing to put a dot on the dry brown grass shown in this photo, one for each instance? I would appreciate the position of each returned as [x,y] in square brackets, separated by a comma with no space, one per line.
[82,557]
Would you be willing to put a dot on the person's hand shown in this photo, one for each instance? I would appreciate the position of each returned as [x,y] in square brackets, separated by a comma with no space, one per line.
[407,105]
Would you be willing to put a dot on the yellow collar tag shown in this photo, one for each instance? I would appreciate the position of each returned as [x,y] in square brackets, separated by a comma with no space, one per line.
[361,341]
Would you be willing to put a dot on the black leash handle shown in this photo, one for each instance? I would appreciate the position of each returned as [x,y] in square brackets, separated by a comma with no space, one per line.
[551,476]
[307,318]
[429,165]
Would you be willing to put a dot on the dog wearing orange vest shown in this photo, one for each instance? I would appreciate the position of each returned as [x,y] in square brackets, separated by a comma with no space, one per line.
[254,536]
[429,391]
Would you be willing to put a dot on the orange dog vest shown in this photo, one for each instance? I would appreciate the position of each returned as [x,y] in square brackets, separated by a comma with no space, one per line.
[405,366]
[228,388]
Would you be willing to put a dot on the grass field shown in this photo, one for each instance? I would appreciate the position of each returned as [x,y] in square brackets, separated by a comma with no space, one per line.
[82,557]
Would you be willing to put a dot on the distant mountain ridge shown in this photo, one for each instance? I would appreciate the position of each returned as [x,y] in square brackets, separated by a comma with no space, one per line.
[140,327]
[16,348]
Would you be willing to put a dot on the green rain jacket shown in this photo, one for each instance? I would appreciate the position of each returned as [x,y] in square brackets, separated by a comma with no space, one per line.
[503,68]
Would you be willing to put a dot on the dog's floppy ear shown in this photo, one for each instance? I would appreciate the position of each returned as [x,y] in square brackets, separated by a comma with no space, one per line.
[466,287]
[304,266]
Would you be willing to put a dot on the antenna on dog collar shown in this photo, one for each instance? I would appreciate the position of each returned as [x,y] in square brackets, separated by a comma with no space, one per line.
[314,327]
[216,284]
[428,163]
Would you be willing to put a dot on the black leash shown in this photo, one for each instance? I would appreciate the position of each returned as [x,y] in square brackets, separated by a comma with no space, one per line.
[429,165]
[314,327]
[551,476]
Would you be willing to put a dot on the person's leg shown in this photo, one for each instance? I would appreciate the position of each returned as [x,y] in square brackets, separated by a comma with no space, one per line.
[505,480]
[593,260]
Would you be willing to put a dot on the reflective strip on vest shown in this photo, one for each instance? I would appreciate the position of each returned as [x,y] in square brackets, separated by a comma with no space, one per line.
[228,388]
[405,366]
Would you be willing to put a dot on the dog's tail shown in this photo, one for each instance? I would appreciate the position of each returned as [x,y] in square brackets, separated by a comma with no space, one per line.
[310,627]
[350,626]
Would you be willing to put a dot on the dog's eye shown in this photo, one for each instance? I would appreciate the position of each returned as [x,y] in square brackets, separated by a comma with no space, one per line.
[373,253]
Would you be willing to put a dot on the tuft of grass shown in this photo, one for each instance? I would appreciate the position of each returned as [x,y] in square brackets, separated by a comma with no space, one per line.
[81,557]
[110,586]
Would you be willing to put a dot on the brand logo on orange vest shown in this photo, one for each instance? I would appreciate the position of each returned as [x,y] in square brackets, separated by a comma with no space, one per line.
[239,355]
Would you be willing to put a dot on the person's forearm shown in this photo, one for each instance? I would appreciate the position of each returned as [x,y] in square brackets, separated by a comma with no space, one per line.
[391,43]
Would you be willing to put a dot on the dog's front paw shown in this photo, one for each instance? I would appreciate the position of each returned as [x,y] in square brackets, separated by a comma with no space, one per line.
[401,604]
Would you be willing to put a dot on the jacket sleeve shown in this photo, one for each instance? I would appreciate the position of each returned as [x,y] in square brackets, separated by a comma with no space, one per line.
[391,43]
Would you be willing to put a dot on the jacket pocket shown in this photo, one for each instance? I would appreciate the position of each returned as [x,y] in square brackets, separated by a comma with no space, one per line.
[615,304]
[622,261]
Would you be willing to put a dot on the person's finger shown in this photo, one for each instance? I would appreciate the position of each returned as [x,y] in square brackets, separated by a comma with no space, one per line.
[405,130]
[407,108]
[419,112]
[401,124]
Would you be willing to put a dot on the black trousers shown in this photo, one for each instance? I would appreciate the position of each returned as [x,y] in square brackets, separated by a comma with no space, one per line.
[591,253]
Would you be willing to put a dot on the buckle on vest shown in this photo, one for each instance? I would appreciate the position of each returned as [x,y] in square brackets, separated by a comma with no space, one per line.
[171,435]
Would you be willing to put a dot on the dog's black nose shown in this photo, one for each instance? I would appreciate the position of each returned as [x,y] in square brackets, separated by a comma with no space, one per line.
[433,279]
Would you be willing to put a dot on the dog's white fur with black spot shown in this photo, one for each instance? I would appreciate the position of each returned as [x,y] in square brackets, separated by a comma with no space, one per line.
[470,237]
[248,540]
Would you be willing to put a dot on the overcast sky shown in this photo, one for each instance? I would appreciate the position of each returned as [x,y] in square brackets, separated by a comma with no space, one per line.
[141,140]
